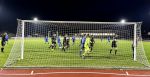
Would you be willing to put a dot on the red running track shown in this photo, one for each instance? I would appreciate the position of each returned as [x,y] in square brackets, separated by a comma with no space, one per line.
[72,73]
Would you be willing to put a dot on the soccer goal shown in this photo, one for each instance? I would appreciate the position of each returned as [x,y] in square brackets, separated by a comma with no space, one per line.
[30,49]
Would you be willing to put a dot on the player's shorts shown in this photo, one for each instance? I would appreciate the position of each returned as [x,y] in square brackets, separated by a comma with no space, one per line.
[6,39]
[46,40]
[114,46]
[59,42]
[67,43]
[53,42]
[3,43]
[91,44]
[64,44]
[73,40]
[82,46]
[87,49]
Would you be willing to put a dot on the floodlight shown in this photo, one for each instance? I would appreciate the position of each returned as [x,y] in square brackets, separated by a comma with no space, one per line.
[35,19]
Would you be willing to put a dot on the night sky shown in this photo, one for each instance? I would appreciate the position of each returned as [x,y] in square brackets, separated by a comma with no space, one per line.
[74,10]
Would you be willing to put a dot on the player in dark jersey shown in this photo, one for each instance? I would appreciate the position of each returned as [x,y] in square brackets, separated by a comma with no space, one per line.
[114,46]
[3,42]
[68,41]
[64,44]
[53,45]
[92,41]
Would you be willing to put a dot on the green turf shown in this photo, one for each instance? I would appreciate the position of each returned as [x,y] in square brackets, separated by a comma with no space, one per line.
[3,56]
[37,53]
[147,49]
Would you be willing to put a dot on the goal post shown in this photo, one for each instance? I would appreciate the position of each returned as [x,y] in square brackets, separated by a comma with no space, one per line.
[49,33]
[32,51]
[135,39]
[22,45]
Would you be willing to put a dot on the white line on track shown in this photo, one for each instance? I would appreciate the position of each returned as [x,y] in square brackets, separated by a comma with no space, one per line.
[127,73]
[98,73]
[1,69]
[32,72]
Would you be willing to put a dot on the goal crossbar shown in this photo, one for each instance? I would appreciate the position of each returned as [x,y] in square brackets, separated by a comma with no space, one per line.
[87,22]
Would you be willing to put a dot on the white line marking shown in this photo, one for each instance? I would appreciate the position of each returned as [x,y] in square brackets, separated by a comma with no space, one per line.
[32,72]
[127,73]
[1,69]
[79,73]
[100,73]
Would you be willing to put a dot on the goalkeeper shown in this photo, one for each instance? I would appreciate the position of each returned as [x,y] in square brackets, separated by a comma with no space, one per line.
[53,45]
[92,41]
[3,42]
[114,46]
[86,46]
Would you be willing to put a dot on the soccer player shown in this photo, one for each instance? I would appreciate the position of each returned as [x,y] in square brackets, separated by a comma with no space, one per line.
[3,41]
[64,44]
[73,39]
[86,46]
[53,45]
[82,44]
[46,40]
[6,38]
[67,40]
[59,42]
[108,39]
[92,41]
[114,46]
[101,38]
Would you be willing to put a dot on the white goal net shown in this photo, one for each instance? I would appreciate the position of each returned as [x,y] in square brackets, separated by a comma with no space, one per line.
[77,44]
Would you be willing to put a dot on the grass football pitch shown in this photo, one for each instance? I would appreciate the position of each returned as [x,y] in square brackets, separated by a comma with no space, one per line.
[38,54]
